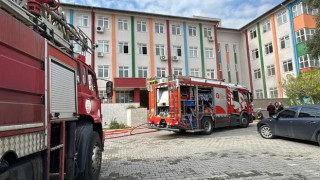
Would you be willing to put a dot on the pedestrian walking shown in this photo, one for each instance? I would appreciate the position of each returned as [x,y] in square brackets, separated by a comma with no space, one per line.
[271,109]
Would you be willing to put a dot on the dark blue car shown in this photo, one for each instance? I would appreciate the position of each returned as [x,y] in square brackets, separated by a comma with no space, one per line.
[298,122]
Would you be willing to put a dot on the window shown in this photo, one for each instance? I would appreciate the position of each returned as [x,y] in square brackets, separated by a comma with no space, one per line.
[273,92]
[176,29]
[255,54]
[142,48]
[282,18]
[159,28]
[103,71]
[103,46]
[207,32]
[304,34]
[208,53]
[124,96]
[192,31]
[259,94]
[84,75]
[253,33]
[143,72]
[141,26]
[210,73]
[297,10]
[219,50]
[92,82]
[306,61]
[161,72]
[236,97]
[287,65]
[159,50]
[123,71]
[177,71]
[257,73]
[194,72]
[123,48]
[193,51]
[102,93]
[227,48]
[122,24]
[83,21]
[271,70]
[103,21]
[268,48]
[284,42]
[266,27]
[309,112]
[288,113]
[302,8]
[176,51]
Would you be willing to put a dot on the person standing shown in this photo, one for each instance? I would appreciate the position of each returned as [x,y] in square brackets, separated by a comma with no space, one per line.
[280,108]
[271,109]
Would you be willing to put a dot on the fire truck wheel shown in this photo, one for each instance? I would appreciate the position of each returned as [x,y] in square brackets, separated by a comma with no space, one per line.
[207,125]
[93,164]
[244,121]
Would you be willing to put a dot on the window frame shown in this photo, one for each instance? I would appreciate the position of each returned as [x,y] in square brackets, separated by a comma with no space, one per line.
[268,48]
[104,21]
[192,31]
[123,71]
[141,26]
[123,24]
[159,28]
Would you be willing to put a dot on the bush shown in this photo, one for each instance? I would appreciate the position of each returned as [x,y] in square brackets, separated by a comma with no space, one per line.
[115,125]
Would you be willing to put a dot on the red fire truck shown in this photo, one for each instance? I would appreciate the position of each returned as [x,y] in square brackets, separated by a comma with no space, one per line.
[193,104]
[50,112]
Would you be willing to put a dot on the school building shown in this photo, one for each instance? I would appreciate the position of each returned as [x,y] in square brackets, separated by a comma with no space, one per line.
[133,46]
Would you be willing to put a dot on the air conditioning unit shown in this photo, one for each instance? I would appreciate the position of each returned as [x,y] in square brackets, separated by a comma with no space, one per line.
[210,38]
[100,54]
[175,58]
[163,58]
[100,29]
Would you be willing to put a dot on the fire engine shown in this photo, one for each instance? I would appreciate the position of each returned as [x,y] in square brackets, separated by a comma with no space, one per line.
[194,104]
[50,111]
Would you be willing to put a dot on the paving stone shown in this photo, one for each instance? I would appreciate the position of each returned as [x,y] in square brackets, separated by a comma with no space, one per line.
[228,153]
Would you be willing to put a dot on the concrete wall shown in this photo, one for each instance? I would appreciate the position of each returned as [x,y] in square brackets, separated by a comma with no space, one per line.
[119,112]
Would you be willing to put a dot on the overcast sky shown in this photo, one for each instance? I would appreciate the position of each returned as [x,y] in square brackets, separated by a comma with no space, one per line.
[233,13]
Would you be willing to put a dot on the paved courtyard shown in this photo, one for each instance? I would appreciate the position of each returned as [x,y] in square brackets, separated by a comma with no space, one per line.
[230,153]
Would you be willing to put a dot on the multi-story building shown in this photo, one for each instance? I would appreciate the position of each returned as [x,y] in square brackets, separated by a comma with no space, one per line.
[133,46]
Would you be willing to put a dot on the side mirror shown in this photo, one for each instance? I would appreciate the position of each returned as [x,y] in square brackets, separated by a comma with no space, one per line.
[109,89]
[275,116]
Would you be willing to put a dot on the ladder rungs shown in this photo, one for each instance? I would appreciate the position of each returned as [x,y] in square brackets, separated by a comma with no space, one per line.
[56,147]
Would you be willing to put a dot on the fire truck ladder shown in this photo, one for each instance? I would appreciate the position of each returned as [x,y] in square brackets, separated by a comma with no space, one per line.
[46,19]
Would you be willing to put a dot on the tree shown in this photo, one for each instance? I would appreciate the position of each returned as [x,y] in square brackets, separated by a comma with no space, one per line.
[306,85]
[313,45]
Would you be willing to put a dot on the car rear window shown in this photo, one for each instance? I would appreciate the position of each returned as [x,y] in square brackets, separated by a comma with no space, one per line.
[309,112]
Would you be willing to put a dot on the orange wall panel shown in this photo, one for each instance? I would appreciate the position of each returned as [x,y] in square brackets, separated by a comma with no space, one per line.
[304,21]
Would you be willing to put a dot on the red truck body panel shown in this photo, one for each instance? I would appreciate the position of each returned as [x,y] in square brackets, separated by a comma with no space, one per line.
[21,74]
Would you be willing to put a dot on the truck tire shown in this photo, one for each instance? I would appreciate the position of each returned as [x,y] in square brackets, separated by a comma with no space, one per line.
[93,160]
[319,139]
[244,120]
[207,125]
